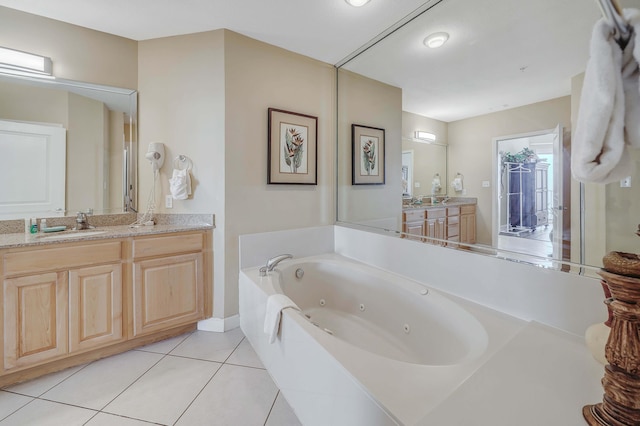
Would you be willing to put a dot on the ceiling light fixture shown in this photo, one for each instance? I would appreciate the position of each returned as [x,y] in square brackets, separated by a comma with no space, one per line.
[436,40]
[357,3]
[425,136]
[24,63]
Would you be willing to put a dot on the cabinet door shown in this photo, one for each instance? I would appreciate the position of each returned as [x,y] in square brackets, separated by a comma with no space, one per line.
[415,229]
[468,228]
[167,291]
[35,319]
[441,229]
[95,300]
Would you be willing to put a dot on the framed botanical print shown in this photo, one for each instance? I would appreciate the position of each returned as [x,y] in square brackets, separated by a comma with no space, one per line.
[368,155]
[293,148]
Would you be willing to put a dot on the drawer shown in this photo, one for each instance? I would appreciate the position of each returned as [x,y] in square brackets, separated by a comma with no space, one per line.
[167,245]
[453,231]
[413,215]
[468,209]
[435,213]
[59,258]
[453,220]
[453,211]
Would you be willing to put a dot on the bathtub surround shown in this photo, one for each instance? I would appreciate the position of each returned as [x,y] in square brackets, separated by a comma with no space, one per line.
[558,306]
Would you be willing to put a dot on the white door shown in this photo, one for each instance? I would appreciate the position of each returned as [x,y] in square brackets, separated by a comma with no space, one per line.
[32,169]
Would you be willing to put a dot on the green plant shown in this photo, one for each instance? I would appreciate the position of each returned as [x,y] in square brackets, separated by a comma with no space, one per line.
[524,156]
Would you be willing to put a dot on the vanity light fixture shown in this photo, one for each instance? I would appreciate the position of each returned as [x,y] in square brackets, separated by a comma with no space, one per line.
[27,64]
[425,136]
[436,40]
[357,3]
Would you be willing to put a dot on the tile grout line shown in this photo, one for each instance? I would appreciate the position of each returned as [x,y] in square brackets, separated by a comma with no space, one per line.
[271,409]
[208,381]
[19,408]
[141,375]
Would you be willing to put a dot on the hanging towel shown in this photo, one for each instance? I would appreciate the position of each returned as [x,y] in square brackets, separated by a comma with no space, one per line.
[609,116]
[180,184]
[457,184]
[276,303]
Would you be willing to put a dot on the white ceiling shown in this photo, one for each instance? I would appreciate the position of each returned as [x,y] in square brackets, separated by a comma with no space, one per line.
[327,30]
[501,53]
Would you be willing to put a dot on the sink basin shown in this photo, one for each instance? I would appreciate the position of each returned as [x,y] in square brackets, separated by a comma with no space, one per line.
[70,234]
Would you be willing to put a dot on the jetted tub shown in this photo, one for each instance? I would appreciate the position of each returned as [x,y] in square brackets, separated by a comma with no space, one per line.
[367,348]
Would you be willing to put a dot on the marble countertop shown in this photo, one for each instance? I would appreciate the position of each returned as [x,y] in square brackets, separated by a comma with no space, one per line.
[15,240]
[451,203]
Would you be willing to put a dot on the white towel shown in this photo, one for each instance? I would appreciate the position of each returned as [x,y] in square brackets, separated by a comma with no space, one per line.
[457,184]
[180,184]
[276,303]
[609,116]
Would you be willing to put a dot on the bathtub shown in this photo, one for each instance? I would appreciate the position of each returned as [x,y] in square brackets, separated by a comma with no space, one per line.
[367,348]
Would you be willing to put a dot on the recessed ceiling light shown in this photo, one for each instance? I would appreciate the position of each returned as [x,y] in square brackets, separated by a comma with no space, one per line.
[357,3]
[436,40]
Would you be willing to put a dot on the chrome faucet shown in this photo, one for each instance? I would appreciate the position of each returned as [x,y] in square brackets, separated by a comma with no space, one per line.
[273,262]
[82,222]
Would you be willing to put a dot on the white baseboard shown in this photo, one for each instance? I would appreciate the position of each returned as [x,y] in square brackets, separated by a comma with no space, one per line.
[219,325]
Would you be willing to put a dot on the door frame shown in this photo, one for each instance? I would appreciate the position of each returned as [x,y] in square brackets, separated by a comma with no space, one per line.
[557,183]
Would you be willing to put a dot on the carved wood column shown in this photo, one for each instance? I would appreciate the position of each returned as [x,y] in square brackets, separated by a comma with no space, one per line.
[621,402]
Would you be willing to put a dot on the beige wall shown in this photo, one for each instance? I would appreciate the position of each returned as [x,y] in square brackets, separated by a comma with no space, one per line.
[206,96]
[369,103]
[470,148]
[181,104]
[77,53]
[259,76]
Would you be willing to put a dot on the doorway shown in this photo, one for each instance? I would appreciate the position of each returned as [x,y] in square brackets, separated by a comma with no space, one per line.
[528,195]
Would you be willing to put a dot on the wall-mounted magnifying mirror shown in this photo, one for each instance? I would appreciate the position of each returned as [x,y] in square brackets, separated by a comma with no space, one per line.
[66,146]
[507,77]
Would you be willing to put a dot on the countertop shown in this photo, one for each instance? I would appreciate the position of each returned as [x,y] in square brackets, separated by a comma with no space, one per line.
[450,203]
[99,233]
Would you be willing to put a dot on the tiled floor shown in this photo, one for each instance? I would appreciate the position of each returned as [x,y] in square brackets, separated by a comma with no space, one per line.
[199,378]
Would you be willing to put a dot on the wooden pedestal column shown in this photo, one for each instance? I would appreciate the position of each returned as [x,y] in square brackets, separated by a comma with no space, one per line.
[621,402]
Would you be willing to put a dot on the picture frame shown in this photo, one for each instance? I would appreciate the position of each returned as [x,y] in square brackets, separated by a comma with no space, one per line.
[293,148]
[368,155]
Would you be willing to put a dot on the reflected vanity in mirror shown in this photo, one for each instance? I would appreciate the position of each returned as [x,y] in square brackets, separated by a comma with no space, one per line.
[503,72]
[66,146]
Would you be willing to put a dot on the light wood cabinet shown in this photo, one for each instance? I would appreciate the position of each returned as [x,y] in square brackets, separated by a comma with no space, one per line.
[73,302]
[168,281]
[95,306]
[413,224]
[435,225]
[441,225]
[35,319]
[468,224]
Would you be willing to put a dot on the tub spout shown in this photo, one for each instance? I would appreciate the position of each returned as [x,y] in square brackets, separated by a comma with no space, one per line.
[273,262]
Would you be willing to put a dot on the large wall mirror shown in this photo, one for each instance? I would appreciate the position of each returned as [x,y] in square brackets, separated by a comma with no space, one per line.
[66,146]
[500,99]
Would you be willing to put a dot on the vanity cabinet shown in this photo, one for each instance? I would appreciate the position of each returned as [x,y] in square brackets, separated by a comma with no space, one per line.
[168,282]
[74,302]
[413,224]
[453,225]
[468,224]
[56,304]
[449,224]
[435,224]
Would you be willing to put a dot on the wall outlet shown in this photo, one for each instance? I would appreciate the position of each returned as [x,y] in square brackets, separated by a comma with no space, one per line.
[416,184]
[168,201]
[626,182]
[486,184]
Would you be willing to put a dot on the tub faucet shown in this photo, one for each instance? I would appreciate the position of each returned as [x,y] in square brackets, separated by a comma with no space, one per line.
[273,262]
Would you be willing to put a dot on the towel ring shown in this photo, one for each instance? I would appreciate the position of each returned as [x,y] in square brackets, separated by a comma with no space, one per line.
[182,162]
